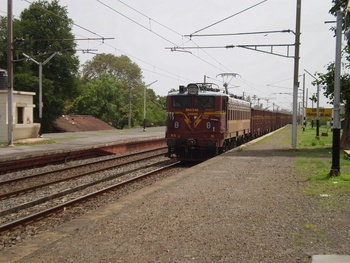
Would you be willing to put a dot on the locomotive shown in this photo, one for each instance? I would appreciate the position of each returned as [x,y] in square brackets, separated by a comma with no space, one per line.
[203,122]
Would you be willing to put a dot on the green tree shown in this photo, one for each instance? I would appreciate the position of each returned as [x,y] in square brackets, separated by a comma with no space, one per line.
[103,98]
[156,109]
[126,73]
[326,80]
[128,77]
[121,68]
[44,28]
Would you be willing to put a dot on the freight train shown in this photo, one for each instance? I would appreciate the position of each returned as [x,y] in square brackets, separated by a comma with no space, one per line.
[203,121]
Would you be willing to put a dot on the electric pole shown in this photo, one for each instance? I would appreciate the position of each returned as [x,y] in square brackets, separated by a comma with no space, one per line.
[10,73]
[335,170]
[41,64]
[296,75]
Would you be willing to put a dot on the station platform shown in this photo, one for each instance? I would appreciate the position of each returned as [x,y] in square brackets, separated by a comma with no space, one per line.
[246,205]
[57,142]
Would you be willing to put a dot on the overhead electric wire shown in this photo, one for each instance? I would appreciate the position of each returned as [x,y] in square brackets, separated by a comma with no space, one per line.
[170,29]
[149,64]
[242,33]
[113,9]
[150,19]
[132,20]
[73,39]
[171,75]
[68,20]
[240,12]
[103,38]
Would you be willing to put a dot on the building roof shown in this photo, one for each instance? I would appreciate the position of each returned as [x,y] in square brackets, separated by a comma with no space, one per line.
[77,123]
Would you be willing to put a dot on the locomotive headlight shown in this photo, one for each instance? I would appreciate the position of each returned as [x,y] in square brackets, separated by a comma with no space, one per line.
[176,124]
[192,89]
[191,142]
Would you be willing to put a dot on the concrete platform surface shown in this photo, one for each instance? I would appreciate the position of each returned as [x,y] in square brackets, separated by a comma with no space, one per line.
[65,141]
[330,259]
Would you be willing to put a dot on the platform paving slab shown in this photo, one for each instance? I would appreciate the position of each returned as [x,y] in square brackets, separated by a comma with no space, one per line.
[330,259]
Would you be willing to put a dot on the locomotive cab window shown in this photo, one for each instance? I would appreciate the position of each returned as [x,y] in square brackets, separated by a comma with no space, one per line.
[181,102]
[224,104]
[204,102]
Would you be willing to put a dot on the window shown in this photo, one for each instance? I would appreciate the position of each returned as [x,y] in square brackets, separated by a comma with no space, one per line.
[181,102]
[20,113]
[204,102]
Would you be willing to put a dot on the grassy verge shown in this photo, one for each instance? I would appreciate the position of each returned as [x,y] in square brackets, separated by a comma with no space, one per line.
[39,142]
[314,161]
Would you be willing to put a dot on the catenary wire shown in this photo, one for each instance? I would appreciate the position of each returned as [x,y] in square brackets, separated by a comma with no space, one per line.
[240,12]
[69,20]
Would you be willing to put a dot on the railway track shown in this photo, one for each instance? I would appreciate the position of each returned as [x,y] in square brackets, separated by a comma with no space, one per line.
[65,156]
[22,184]
[62,193]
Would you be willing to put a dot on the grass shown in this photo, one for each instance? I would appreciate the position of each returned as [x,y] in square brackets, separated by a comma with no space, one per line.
[40,142]
[314,161]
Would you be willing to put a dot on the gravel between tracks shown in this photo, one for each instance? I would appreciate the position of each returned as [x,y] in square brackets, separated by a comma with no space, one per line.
[243,206]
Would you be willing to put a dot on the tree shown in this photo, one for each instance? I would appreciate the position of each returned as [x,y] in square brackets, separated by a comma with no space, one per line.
[44,28]
[121,68]
[103,98]
[123,71]
[326,80]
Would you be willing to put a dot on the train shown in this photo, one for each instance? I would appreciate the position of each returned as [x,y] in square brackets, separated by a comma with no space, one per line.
[203,121]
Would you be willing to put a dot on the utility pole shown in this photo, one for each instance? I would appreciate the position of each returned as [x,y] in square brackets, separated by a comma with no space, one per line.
[335,170]
[303,115]
[129,118]
[144,104]
[41,64]
[10,73]
[296,75]
[317,105]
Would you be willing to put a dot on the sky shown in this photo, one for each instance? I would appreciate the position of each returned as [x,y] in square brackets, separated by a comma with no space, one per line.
[146,31]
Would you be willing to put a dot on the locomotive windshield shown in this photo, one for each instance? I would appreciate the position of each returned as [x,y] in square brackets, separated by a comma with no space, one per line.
[181,102]
[201,102]
[204,102]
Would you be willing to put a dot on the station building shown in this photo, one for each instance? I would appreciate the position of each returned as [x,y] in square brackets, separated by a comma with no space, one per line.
[23,125]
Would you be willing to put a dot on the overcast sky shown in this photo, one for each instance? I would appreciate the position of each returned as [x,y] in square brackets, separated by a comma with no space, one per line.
[145,29]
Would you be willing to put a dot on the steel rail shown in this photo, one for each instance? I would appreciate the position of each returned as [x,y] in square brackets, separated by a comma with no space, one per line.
[77,166]
[42,214]
[69,191]
[7,166]
[24,190]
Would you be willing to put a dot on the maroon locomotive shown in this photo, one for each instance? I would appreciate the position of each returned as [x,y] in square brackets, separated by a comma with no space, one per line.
[203,122]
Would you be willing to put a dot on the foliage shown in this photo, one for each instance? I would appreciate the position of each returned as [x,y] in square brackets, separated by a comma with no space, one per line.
[43,29]
[127,81]
[326,80]
[121,68]
[104,86]
[103,98]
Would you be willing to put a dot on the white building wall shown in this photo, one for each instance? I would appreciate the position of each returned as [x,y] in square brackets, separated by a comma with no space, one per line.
[22,103]
[3,116]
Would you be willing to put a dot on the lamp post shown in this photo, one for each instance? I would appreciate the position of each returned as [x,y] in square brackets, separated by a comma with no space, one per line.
[318,106]
[296,74]
[10,72]
[41,64]
[335,169]
[144,104]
